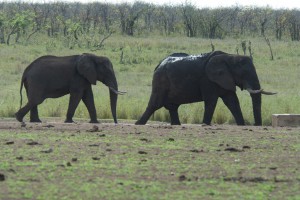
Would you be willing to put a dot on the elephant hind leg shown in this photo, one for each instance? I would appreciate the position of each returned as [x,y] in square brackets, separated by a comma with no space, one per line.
[173,110]
[155,103]
[35,97]
[34,115]
[23,111]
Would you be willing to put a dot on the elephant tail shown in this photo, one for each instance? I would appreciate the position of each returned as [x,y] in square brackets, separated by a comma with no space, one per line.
[21,87]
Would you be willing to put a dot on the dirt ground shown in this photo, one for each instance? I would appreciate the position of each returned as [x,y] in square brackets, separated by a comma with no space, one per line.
[154,161]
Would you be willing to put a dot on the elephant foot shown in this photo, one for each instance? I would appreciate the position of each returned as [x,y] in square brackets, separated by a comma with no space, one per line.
[36,120]
[140,123]
[19,117]
[205,124]
[94,121]
[175,123]
[69,121]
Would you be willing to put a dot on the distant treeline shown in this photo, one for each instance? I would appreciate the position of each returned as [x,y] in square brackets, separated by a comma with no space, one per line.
[77,20]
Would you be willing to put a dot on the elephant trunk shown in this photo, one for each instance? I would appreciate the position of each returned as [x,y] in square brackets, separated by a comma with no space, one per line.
[113,94]
[252,85]
[256,103]
[113,104]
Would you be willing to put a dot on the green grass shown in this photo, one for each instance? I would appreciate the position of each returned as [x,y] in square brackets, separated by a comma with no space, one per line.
[134,74]
[151,162]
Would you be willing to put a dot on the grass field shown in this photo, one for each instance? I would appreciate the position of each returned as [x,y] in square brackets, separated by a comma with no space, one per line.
[83,161]
[134,73]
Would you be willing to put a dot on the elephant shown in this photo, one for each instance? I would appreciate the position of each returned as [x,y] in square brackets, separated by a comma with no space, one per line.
[53,77]
[183,79]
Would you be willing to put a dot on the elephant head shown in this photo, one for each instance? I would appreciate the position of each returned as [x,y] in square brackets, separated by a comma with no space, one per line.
[95,68]
[229,71]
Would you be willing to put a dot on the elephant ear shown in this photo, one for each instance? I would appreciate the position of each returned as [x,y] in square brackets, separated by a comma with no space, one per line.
[217,71]
[86,68]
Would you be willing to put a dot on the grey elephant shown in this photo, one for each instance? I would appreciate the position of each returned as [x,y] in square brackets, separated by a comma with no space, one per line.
[53,77]
[181,79]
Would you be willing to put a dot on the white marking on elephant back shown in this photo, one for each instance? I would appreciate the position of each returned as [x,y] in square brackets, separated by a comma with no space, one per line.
[176,59]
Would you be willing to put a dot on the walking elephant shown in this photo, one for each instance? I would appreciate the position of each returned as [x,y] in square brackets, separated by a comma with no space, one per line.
[53,77]
[192,78]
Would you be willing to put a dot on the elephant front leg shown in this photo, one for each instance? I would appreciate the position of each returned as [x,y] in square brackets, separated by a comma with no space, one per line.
[232,102]
[174,117]
[88,100]
[209,105]
[73,103]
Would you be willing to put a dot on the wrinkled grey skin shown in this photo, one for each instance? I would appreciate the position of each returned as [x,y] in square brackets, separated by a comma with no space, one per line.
[181,79]
[53,77]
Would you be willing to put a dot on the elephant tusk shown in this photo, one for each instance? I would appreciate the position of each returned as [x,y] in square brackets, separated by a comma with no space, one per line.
[260,91]
[268,93]
[254,91]
[117,92]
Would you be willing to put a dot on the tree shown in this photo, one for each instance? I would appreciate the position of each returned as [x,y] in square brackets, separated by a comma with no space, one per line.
[129,15]
[2,24]
[166,18]
[190,19]
[19,24]
[280,23]
[294,25]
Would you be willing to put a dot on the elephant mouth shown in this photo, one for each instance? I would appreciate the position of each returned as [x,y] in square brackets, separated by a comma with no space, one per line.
[260,91]
[116,91]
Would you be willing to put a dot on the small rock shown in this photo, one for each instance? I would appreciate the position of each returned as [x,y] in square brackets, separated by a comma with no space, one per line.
[195,151]
[232,149]
[182,178]
[12,170]
[142,152]
[33,143]
[47,151]
[246,147]
[10,142]
[2,177]
[94,145]
[94,129]
[19,158]
[48,126]
[144,139]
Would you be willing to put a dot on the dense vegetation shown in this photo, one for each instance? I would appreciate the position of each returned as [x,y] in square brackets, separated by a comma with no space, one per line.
[77,21]
[32,30]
